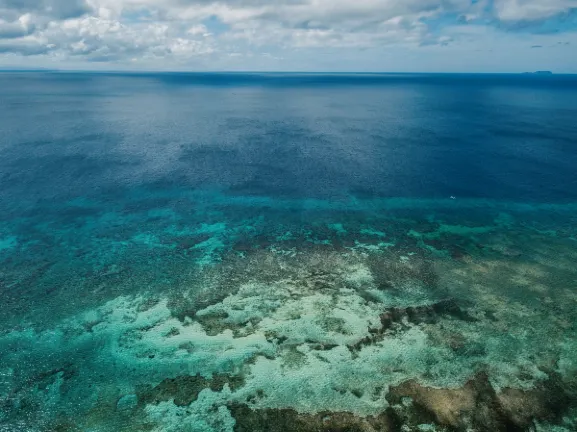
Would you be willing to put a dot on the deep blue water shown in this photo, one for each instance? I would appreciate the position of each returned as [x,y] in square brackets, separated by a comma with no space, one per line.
[502,137]
[319,241]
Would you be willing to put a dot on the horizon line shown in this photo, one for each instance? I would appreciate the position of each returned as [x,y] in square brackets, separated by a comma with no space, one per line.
[263,72]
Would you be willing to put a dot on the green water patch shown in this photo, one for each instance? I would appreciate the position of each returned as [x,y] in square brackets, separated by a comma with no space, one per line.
[8,243]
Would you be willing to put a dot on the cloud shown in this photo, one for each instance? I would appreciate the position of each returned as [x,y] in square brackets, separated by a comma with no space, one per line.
[23,46]
[54,9]
[515,11]
[179,30]
[21,27]
[101,40]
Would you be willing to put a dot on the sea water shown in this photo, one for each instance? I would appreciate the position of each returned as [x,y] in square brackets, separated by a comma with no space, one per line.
[287,252]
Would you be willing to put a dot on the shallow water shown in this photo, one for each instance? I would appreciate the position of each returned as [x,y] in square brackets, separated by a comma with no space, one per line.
[186,252]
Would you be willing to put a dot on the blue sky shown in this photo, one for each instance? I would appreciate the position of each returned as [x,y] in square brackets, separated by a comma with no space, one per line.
[291,35]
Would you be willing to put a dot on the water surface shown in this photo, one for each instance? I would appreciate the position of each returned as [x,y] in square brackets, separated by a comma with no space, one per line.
[277,252]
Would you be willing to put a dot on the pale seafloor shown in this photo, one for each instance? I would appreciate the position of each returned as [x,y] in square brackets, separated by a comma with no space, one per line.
[238,253]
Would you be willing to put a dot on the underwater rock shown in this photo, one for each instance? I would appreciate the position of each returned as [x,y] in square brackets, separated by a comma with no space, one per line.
[211,288]
[428,314]
[456,246]
[476,405]
[549,400]
[458,253]
[213,323]
[247,244]
[189,242]
[505,250]
[185,389]
[285,420]
[127,402]
[452,407]
[388,273]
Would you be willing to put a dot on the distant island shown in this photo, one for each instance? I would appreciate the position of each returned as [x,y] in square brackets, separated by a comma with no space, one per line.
[539,73]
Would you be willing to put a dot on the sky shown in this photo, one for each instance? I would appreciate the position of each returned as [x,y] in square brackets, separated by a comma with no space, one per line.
[290,35]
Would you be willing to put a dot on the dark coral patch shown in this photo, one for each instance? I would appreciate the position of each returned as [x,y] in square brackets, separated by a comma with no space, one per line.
[476,405]
[397,317]
[427,314]
[288,420]
[388,273]
[189,242]
[185,389]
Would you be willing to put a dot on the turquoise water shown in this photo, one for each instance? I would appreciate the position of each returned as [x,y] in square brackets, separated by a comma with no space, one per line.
[268,253]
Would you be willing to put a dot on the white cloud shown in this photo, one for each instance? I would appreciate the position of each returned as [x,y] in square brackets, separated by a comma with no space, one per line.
[179,30]
[25,46]
[531,10]
[21,27]
[99,39]
[53,9]
[198,29]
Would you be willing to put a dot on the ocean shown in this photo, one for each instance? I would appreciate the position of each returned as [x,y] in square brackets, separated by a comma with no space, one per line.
[287,252]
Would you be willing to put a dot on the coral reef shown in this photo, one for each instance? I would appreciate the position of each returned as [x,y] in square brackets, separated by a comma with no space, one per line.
[413,319]
[281,420]
[476,405]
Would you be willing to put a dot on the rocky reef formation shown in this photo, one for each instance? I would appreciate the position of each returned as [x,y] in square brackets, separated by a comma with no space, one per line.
[414,407]
[411,326]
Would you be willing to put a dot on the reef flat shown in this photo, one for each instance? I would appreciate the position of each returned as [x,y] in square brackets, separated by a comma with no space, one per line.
[188,311]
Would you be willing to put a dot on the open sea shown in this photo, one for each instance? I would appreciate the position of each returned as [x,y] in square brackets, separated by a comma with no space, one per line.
[288,252]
